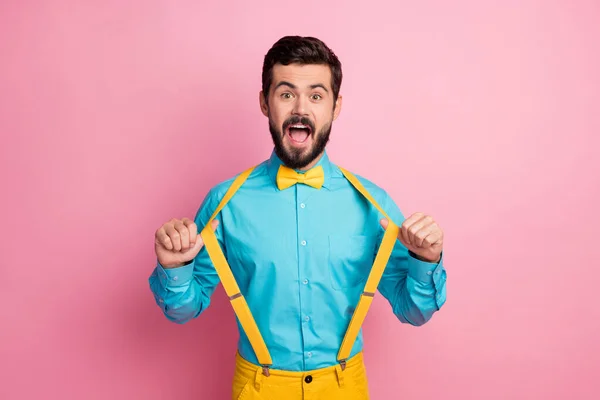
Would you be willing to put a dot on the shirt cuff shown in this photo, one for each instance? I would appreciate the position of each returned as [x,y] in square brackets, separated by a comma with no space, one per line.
[173,277]
[424,271]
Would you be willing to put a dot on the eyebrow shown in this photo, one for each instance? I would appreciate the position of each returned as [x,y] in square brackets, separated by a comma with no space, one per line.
[292,86]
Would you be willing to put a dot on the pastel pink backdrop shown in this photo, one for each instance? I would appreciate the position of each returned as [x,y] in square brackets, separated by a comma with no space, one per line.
[117,116]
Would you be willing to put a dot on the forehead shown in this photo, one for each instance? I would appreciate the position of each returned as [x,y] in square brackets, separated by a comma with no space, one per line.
[302,75]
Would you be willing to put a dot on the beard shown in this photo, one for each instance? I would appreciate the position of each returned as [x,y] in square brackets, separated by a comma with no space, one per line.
[299,158]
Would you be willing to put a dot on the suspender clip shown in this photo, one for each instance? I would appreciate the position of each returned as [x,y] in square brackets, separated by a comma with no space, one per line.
[265,370]
[343,364]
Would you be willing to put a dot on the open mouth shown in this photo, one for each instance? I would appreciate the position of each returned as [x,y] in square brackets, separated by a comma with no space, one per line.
[299,133]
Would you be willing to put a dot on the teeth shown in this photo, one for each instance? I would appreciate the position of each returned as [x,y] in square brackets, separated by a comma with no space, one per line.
[299,126]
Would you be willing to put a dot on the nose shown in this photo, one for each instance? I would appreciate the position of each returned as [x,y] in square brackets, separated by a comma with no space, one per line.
[300,106]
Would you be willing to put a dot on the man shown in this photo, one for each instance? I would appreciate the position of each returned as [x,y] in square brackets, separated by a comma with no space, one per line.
[294,240]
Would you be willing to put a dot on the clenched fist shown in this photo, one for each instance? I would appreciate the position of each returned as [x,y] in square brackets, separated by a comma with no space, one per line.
[178,241]
[420,234]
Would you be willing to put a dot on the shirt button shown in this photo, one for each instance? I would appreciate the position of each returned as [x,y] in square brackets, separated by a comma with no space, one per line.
[175,278]
[309,354]
[304,243]
[161,300]
[428,272]
[305,281]
[307,318]
[302,205]
[308,379]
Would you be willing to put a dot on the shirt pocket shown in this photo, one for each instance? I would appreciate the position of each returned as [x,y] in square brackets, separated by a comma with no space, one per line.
[350,260]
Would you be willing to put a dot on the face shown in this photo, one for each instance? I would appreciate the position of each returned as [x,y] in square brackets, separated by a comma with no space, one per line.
[301,110]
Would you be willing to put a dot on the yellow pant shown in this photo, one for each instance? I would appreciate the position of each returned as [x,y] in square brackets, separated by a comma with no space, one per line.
[329,383]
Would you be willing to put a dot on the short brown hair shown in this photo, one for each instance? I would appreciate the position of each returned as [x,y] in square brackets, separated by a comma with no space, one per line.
[301,50]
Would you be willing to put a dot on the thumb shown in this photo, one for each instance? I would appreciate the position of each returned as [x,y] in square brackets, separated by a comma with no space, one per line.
[384,223]
[199,242]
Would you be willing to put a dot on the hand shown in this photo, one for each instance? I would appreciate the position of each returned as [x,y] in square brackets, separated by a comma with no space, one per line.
[177,242]
[420,234]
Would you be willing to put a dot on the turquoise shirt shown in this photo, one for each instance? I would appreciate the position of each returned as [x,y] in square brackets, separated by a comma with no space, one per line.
[301,257]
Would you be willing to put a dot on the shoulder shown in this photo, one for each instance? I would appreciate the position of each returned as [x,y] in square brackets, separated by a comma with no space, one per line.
[380,195]
[217,192]
[373,188]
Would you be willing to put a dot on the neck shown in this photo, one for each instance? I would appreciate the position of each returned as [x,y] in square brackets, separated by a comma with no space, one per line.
[313,163]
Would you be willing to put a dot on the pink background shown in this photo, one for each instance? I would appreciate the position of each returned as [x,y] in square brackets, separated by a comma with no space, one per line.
[117,116]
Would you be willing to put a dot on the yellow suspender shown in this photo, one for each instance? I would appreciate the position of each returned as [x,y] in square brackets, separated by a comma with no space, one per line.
[240,306]
[381,260]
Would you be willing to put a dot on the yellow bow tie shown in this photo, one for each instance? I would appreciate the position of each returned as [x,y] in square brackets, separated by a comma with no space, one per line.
[287,177]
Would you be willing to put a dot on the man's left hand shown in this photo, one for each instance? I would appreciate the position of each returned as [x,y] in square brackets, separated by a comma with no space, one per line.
[420,234]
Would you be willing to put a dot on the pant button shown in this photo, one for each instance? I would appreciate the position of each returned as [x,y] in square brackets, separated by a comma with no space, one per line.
[308,379]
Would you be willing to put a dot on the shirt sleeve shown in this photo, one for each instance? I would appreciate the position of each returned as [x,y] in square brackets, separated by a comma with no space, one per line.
[415,289]
[184,292]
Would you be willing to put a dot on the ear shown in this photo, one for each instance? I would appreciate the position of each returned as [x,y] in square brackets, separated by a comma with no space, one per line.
[338,107]
[263,104]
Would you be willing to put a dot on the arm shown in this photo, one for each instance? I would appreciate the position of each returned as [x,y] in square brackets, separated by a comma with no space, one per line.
[184,292]
[415,289]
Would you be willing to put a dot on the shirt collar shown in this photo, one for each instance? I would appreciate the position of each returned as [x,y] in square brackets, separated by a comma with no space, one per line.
[274,162]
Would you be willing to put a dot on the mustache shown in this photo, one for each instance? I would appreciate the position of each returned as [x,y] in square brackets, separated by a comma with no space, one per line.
[298,120]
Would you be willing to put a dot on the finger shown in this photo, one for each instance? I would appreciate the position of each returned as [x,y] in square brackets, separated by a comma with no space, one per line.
[403,237]
[199,241]
[423,233]
[433,238]
[407,223]
[198,244]
[192,230]
[214,223]
[416,226]
[184,234]
[163,239]
[174,236]
[384,223]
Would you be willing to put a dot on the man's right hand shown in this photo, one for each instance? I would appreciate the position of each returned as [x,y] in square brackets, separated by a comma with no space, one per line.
[178,241]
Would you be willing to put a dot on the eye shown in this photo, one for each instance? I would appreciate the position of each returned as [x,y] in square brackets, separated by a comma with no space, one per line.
[316,96]
[286,95]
